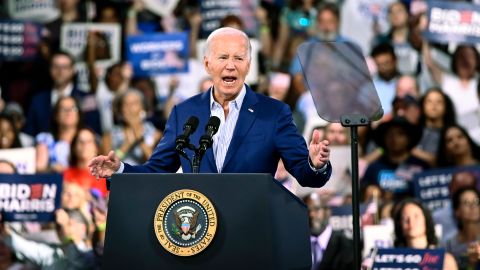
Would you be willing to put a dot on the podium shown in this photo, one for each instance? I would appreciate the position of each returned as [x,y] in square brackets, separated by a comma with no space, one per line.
[260,224]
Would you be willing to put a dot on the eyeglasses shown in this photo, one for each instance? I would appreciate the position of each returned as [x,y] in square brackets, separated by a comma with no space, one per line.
[69,109]
[55,66]
[471,203]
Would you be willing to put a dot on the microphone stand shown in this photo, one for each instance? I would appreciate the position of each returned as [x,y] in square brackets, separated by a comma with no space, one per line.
[196,162]
[354,121]
[197,156]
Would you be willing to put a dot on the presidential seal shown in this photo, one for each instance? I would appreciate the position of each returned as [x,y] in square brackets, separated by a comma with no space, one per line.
[185,222]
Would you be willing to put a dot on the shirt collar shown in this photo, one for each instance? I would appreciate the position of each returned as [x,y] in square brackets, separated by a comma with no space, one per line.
[324,237]
[238,101]
[66,93]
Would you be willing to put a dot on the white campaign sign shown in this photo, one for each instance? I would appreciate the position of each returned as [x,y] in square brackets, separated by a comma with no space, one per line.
[22,158]
[41,11]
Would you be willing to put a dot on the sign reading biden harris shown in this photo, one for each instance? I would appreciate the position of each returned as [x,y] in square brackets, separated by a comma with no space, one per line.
[408,258]
[29,197]
[453,22]
[153,54]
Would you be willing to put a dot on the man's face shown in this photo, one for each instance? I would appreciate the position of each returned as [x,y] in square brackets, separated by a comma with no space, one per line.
[396,140]
[61,70]
[386,66]
[228,63]
[318,216]
[336,134]
[328,25]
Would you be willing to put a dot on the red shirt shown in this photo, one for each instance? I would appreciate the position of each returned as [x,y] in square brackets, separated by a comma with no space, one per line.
[85,179]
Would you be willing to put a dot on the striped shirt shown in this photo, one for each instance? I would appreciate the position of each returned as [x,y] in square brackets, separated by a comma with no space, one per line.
[221,140]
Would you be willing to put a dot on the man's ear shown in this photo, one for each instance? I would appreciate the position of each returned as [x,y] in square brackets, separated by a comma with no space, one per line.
[206,64]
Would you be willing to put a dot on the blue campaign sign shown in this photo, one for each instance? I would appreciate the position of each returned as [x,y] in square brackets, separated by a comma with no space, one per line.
[453,22]
[153,54]
[19,40]
[431,187]
[408,258]
[342,217]
[30,197]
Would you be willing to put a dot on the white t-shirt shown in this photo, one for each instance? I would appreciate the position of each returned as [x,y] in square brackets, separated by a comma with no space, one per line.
[465,99]
[104,101]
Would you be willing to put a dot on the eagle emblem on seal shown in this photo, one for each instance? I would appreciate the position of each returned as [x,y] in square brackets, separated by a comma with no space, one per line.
[186,222]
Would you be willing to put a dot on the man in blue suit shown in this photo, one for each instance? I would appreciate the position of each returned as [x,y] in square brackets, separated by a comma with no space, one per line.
[254,133]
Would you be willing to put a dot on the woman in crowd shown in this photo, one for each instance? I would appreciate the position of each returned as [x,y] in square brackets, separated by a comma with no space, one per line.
[398,36]
[134,138]
[53,148]
[84,148]
[466,205]
[414,228]
[456,148]
[9,137]
[461,84]
[436,112]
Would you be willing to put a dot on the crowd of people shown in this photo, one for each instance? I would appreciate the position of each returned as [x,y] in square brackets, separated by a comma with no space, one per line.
[429,92]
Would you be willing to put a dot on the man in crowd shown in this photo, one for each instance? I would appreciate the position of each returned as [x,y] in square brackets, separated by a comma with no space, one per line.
[330,249]
[62,72]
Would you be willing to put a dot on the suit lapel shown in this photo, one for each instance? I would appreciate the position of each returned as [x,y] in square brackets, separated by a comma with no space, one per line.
[248,114]
[330,252]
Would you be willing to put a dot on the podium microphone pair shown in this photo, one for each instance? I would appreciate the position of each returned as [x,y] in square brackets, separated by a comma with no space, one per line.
[205,142]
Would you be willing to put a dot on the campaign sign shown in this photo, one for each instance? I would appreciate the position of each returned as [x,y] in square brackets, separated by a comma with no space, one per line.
[23,158]
[342,218]
[73,39]
[158,53]
[377,236]
[408,258]
[162,8]
[431,187]
[30,197]
[213,11]
[19,40]
[453,22]
[41,11]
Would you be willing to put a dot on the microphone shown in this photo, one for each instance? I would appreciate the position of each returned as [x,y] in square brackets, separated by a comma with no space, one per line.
[189,128]
[206,140]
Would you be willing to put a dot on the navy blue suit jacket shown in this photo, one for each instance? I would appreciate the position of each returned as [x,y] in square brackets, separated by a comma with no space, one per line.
[264,133]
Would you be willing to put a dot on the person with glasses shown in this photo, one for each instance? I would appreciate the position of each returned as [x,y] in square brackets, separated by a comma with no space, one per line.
[53,148]
[465,246]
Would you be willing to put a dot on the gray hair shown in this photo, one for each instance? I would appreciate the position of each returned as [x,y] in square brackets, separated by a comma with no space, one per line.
[229,31]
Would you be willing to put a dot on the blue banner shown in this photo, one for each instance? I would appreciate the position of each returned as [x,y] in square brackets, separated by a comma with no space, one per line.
[408,258]
[19,40]
[432,186]
[453,22]
[153,54]
[30,197]
[341,217]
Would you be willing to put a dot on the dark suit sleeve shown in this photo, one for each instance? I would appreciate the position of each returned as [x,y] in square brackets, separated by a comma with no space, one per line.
[39,114]
[164,158]
[294,152]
